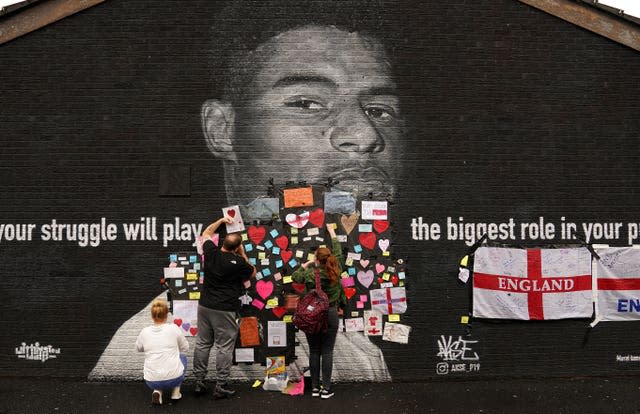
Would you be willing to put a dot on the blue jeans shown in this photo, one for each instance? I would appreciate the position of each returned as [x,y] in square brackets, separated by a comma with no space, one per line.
[170,383]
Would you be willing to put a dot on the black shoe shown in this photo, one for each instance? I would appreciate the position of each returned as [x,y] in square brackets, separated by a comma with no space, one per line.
[223,391]
[200,389]
[326,394]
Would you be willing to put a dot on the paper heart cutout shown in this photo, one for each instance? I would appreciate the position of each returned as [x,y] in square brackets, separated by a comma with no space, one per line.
[379,268]
[298,287]
[177,321]
[380,280]
[231,213]
[256,233]
[383,244]
[264,289]
[349,292]
[368,240]
[193,330]
[282,242]
[349,222]
[380,225]
[365,278]
[297,220]
[279,311]
[186,326]
[364,263]
[316,217]
[173,264]
[394,280]
[286,255]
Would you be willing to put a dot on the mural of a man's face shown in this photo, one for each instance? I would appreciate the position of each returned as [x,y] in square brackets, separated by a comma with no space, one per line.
[321,104]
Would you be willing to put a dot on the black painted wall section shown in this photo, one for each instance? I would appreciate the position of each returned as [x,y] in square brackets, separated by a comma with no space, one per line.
[512,114]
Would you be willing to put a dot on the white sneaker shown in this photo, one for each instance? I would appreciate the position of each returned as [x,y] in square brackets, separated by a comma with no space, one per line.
[315,392]
[156,397]
[175,394]
[326,394]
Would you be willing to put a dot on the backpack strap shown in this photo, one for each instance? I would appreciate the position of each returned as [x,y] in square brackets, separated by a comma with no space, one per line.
[317,273]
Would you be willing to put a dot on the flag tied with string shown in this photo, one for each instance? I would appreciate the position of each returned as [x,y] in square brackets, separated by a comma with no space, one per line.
[532,284]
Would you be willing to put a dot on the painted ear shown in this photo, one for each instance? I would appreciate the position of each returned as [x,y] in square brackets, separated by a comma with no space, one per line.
[217,126]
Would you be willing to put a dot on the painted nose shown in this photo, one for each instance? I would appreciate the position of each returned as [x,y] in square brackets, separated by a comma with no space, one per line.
[357,133]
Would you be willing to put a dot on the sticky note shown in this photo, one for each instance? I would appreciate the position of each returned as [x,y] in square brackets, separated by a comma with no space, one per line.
[287,318]
[192,276]
[257,303]
[355,314]
[464,319]
[194,295]
[344,274]
[333,226]
[401,275]
[386,276]
[357,248]
[253,261]
[311,256]
[244,237]
[394,318]
[348,262]
[299,254]
[272,303]
[173,257]
[248,247]
[352,271]
[464,261]
[264,262]
[279,264]
[275,250]
[287,279]
[274,233]
[294,230]
[364,298]
[193,259]
[256,384]
[266,272]
[347,281]
[342,238]
[178,283]
[293,263]
[365,228]
[294,240]
[260,248]
[277,276]
[259,276]
[313,231]
[262,255]
[268,244]
[386,253]
[359,305]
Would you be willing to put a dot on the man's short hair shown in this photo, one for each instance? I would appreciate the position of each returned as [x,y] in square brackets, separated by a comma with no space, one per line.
[232,241]
[243,26]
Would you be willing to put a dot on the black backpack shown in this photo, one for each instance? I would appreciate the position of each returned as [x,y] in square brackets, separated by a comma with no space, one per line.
[312,313]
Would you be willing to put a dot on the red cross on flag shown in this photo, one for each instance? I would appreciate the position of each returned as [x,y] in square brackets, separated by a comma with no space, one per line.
[532,284]
[618,275]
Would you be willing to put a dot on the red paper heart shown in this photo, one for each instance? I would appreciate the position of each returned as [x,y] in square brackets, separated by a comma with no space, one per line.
[349,292]
[177,322]
[394,280]
[279,311]
[380,225]
[368,240]
[298,287]
[286,255]
[193,330]
[256,233]
[231,213]
[282,242]
[316,217]
[380,280]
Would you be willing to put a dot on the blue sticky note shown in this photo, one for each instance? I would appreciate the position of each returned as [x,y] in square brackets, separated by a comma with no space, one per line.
[279,264]
[274,233]
[173,257]
[276,250]
[193,259]
[266,272]
[357,248]
[268,244]
[293,263]
[258,276]
[352,271]
[252,260]
[248,247]
[401,275]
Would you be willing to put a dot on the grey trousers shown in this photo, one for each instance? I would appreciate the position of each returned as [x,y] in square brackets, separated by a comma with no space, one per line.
[219,329]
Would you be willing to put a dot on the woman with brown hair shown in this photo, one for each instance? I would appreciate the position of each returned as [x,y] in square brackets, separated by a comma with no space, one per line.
[321,344]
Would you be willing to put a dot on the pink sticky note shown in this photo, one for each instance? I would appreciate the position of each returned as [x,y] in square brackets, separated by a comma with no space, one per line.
[246,284]
[359,305]
[364,298]
[257,303]
[348,281]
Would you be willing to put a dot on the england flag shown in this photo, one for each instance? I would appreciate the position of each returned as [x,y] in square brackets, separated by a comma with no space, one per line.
[618,275]
[532,284]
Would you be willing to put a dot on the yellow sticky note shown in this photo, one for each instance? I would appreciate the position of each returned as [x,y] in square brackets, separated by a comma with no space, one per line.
[311,256]
[287,318]
[294,240]
[262,255]
[386,276]
[385,253]
[464,319]
[349,262]
[334,226]
[244,237]
[192,276]
[394,318]
[464,261]
[401,283]
[272,303]
[344,274]
[294,230]
[194,295]
[287,279]
[256,384]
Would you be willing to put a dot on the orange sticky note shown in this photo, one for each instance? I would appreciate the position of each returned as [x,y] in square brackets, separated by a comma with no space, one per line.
[298,197]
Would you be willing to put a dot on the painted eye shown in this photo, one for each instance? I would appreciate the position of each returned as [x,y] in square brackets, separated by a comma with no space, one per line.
[380,113]
[304,104]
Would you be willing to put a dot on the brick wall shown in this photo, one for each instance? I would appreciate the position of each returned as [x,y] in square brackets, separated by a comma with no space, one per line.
[512,113]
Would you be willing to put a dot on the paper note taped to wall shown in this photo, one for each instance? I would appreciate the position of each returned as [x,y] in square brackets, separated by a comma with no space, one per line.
[374,210]
[298,197]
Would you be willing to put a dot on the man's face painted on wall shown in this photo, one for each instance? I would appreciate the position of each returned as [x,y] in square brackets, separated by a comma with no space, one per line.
[322,104]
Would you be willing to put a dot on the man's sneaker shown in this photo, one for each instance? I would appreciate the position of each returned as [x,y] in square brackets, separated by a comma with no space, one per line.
[223,391]
[315,392]
[326,394]
[156,397]
[175,394]
[200,389]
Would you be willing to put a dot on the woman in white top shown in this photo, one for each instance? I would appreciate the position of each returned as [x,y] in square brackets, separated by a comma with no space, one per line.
[164,347]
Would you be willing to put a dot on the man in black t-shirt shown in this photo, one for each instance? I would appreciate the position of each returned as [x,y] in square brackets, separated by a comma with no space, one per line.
[225,270]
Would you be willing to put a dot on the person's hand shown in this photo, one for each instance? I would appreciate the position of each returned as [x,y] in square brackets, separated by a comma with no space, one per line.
[227,219]
[340,312]
[331,230]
